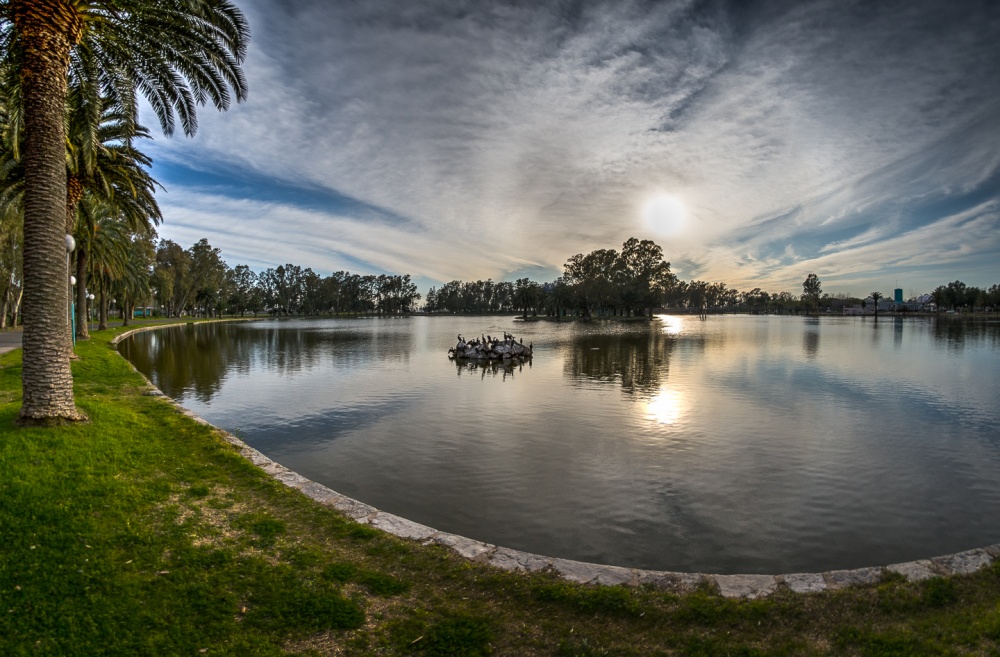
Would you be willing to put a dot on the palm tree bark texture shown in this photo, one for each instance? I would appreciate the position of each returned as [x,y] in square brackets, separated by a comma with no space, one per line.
[47,30]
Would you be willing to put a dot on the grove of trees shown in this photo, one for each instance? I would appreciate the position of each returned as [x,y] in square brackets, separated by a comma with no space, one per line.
[71,177]
[957,296]
[196,281]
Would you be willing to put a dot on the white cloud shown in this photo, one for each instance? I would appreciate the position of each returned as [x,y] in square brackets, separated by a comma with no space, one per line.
[521,134]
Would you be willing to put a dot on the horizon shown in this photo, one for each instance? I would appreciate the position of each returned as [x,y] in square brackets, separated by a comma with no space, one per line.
[908,294]
[754,144]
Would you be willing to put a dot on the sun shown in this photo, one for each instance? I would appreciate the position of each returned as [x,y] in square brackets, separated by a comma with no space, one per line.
[665,215]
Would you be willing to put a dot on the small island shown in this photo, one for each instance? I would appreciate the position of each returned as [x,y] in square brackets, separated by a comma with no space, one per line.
[487,347]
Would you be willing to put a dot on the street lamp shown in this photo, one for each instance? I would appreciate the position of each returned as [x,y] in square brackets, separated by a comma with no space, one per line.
[70,244]
[90,315]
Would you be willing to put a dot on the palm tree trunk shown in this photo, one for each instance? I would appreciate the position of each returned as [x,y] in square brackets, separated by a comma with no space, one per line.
[103,325]
[47,30]
[74,192]
[82,330]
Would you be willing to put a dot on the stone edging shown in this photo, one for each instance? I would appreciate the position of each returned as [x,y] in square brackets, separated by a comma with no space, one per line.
[729,586]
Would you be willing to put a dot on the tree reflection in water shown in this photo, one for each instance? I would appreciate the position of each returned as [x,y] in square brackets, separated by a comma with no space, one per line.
[810,337]
[196,358]
[956,332]
[638,361]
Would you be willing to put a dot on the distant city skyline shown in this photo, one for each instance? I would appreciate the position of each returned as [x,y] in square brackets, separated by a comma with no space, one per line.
[754,142]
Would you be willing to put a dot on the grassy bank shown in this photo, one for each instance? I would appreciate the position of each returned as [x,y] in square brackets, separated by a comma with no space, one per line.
[144,533]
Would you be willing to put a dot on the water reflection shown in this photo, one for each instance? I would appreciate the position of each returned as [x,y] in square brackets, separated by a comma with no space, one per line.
[810,337]
[187,358]
[730,444]
[490,368]
[195,359]
[957,333]
[666,407]
[672,324]
[638,361]
[897,333]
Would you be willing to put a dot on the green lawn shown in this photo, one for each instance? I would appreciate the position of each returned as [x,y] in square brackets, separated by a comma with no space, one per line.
[143,532]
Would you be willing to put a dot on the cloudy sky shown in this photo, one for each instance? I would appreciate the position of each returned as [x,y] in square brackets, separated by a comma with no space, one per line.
[756,142]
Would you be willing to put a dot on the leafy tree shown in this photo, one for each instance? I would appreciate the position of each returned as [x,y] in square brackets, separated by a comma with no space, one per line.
[528,295]
[593,276]
[177,53]
[644,274]
[811,290]
[558,297]
[956,294]
[283,288]
[993,296]
[697,296]
[783,301]
[755,299]
[312,293]
[208,276]
[172,278]
[242,285]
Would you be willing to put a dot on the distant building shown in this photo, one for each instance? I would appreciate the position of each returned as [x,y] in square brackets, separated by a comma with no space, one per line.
[897,295]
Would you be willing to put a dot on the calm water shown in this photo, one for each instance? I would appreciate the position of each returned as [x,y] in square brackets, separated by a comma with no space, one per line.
[734,444]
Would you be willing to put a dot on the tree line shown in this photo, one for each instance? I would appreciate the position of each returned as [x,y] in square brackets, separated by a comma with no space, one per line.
[957,296]
[636,280]
[174,281]
[196,281]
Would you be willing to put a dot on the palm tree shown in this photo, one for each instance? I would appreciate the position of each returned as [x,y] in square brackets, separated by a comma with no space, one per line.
[133,285]
[104,244]
[876,297]
[103,164]
[177,53]
[114,174]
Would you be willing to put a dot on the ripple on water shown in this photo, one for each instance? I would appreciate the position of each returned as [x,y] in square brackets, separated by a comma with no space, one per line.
[736,444]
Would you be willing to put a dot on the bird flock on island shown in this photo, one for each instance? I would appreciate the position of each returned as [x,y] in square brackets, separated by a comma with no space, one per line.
[488,347]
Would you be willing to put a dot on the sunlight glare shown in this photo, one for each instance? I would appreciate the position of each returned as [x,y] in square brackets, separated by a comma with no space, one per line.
[665,215]
[666,407]
[672,324]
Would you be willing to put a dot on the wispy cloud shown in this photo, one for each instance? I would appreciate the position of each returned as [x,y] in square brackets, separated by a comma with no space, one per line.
[480,138]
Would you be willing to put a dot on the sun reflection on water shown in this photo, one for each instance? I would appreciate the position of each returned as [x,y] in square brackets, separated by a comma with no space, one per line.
[667,407]
[672,325]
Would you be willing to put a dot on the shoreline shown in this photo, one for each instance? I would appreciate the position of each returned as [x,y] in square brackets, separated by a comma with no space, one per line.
[750,586]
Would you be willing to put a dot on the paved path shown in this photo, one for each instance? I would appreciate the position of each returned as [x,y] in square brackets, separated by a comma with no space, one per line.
[10,339]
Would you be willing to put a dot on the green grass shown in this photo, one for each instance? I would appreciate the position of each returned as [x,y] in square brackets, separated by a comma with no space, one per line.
[143,532]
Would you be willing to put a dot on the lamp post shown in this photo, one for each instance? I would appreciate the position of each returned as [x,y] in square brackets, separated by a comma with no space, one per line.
[70,247]
[90,314]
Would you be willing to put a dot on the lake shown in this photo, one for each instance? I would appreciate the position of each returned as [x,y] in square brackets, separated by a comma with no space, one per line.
[753,444]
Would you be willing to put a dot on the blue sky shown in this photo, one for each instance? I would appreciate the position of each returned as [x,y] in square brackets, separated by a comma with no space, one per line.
[464,140]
